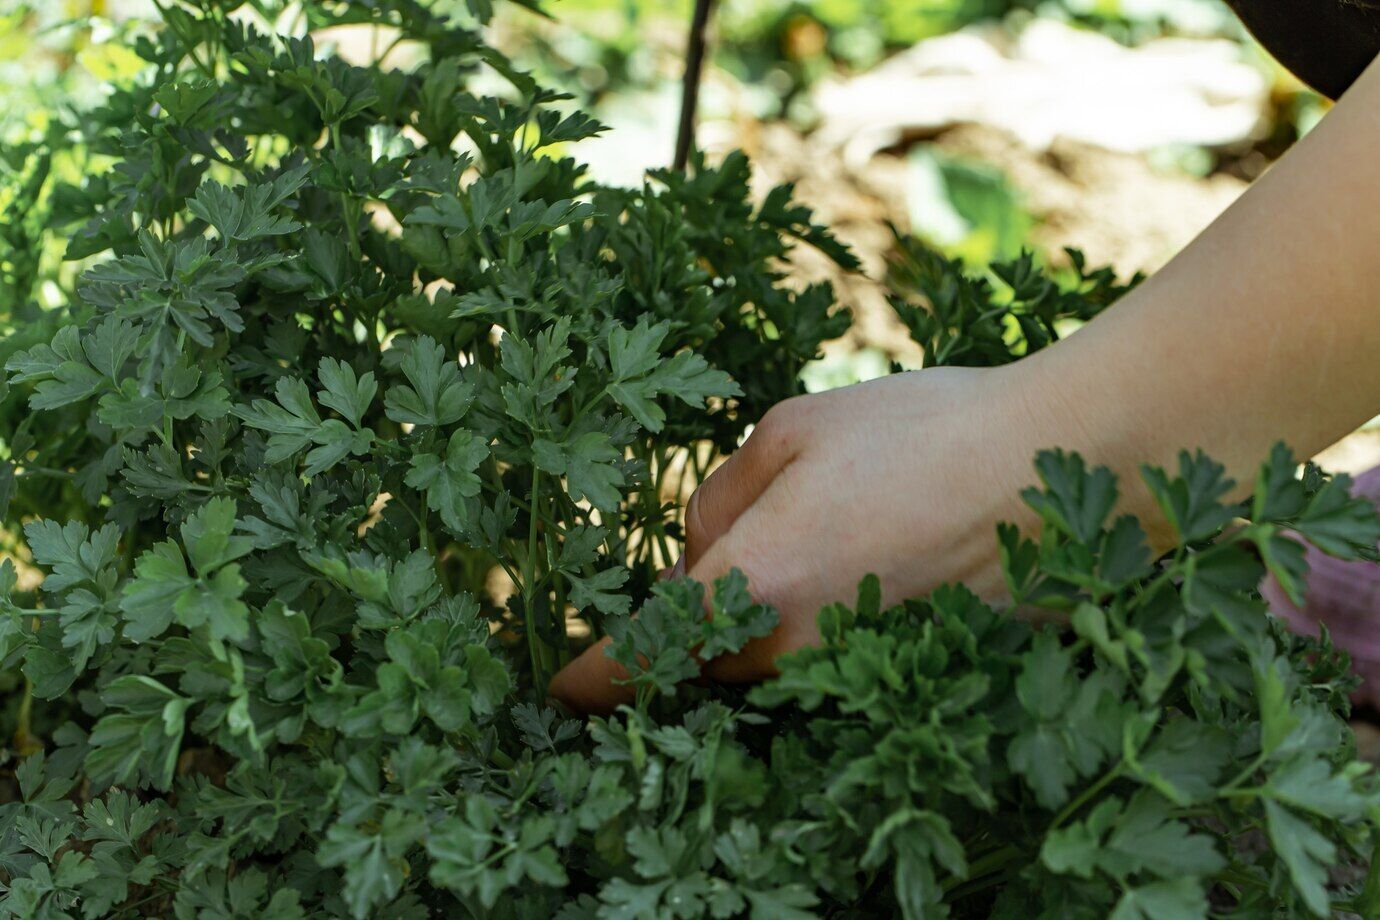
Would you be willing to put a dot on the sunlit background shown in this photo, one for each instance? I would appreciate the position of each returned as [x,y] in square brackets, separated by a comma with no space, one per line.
[1120,127]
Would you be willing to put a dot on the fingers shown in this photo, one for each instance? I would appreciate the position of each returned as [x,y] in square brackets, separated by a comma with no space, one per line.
[588,685]
[754,547]
[732,488]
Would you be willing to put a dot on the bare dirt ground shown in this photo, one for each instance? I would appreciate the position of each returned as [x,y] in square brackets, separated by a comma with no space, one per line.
[1115,207]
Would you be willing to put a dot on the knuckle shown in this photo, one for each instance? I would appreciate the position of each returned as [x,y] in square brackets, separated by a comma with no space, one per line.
[694,516]
[781,426]
[730,553]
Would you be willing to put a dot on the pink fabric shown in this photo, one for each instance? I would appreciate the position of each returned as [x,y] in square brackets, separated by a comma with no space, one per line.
[1345,596]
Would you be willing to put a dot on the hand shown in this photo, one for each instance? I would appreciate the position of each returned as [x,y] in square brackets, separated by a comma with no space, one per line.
[905,477]
[1261,330]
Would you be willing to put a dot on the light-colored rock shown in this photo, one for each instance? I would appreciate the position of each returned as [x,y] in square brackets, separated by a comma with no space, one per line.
[1049,81]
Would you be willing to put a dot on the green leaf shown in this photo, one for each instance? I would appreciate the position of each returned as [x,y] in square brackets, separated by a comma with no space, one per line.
[599,591]
[1039,754]
[641,375]
[1339,524]
[1285,726]
[160,579]
[75,555]
[1305,853]
[187,102]
[1123,556]
[1279,493]
[1285,559]
[734,618]
[1185,761]
[120,818]
[164,590]
[374,867]
[50,672]
[1146,838]
[110,345]
[1074,500]
[1046,682]
[88,625]
[1309,784]
[60,369]
[247,213]
[294,425]
[1076,848]
[589,463]
[1090,622]
[140,737]
[449,481]
[1223,581]
[437,394]
[208,536]
[344,392]
[1178,899]
[1191,502]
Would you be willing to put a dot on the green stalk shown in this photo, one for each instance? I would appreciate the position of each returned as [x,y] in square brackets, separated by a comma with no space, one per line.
[24,741]
[1244,775]
[541,654]
[188,45]
[1088,794]
[982,873]
[558,621]
[347,204]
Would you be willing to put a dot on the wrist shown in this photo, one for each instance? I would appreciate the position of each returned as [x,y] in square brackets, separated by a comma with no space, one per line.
[1071,397]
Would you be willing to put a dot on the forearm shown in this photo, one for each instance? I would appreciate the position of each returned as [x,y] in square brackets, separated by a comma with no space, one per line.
[1266,328]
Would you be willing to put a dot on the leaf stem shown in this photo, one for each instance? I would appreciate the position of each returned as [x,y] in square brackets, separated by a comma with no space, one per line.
[983,873]
[1087,795]
[690,84]
[1245,774]
[24,741]
[188,45]
[538,650]
[347,204]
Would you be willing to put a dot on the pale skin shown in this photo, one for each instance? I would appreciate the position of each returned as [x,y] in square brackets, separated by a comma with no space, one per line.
[1265,328]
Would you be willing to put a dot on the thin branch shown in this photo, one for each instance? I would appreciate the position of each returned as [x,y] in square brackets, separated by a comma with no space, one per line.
[690,85]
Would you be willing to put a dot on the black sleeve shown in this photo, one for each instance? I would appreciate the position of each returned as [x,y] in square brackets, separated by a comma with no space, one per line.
[1325,43]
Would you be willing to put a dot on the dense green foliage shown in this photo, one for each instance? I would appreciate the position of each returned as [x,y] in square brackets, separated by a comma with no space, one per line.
[367,411]
[978,321]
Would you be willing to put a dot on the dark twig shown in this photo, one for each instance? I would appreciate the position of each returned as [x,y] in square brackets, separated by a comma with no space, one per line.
[690,86]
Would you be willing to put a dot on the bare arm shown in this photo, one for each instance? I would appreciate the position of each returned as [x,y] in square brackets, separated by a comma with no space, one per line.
[1267,327]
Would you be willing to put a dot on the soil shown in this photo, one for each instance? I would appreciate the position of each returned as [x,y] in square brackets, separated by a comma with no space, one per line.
[1116,207]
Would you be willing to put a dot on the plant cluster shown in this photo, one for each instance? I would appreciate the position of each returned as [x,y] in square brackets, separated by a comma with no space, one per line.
[1015,309]
[368,410]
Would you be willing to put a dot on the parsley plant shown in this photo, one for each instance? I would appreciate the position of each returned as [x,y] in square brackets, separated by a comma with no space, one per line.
[359,398]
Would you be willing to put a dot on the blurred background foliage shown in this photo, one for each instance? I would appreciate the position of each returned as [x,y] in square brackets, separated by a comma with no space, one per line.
[966,185]
[785,45]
